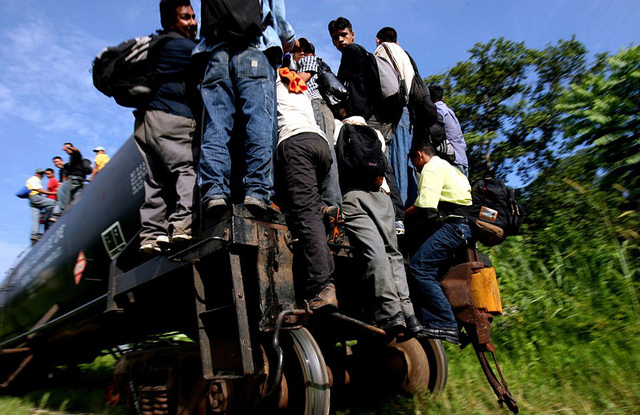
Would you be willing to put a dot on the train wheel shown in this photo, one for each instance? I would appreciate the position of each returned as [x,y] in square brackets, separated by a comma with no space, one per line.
[438,365]
[411,366]
[405,365]
[304,388]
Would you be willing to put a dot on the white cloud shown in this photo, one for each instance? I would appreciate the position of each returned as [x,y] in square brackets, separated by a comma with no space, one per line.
[46,80]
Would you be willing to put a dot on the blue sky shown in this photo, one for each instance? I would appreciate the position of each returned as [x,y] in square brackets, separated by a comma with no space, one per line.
[46,49]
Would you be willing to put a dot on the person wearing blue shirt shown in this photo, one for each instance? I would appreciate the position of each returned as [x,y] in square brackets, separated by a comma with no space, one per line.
[239,87]
[452,129]
[164,132]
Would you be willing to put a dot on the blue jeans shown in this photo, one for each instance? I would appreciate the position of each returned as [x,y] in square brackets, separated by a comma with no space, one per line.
[463,169]
[434,309]
[399,157]
[238,84]
[37,203]
[67,192]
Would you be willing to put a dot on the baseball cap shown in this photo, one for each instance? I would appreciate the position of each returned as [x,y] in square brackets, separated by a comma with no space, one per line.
[99,148]
[39,171]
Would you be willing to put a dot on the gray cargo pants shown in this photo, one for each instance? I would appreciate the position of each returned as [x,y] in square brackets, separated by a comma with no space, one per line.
[369,220]
[165,142]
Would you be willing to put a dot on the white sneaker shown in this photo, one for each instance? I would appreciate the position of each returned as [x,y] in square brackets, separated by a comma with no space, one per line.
[150,248]
[163,243]
[180,238]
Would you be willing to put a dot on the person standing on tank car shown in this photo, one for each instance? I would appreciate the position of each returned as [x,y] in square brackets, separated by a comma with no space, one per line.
[369,222]
[239,95]
[164,134]
[443,203]
[399,146]
[75,176]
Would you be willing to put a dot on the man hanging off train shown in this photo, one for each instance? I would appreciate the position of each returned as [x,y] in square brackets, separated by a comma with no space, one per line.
[443,203]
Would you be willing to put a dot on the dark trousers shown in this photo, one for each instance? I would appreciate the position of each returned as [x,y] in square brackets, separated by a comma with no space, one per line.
[301,164]
[434,309]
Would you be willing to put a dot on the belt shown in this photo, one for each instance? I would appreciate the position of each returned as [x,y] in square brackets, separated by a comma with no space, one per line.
[455,220]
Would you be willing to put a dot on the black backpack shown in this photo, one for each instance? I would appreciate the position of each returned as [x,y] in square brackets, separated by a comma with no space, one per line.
[126,72]
[86,166]
[359,156]
[236,21]
[331,89]
[495,213]
[426,121]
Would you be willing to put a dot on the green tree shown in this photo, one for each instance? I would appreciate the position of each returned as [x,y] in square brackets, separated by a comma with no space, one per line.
[505,96]
[603,115]
[537,138]
[486,92]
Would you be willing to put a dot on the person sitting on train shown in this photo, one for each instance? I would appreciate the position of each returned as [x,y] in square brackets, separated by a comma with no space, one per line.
[301,162]
[74,182]
[443,203]
[37,202]
[100,161]
[62,172]
[164,133]
[369,219]
[52,184]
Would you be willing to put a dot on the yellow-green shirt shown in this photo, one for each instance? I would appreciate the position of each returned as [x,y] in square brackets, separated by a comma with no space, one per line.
[441,182]
[101,160]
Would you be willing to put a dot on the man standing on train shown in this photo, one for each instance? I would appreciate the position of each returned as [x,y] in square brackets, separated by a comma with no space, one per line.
[444,202]
[164,132]
[239,94]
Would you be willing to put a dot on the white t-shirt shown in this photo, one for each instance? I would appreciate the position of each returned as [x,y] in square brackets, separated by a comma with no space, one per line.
[34,183]
[295,113]
[393,52]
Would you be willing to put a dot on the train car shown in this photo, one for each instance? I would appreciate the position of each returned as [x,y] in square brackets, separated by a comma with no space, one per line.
[252,343]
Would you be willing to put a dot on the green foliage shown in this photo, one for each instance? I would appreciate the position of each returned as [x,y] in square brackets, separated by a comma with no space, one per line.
[485,92]
[505,96]
[602,112]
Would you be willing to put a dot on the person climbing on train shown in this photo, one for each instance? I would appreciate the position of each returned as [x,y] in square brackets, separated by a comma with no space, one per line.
[443,203]
[369,219]
[302,161]
[308,67]
[164,134]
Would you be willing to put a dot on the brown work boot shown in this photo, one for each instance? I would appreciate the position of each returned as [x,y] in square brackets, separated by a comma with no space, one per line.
[325,300]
